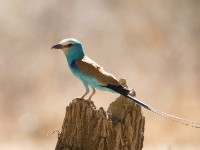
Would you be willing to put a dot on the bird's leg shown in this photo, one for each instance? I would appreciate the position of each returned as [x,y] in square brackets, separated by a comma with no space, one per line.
[94,91]
[89,99]
[87,90]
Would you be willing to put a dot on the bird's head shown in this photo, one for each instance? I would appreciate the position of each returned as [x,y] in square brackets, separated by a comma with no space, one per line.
[67,44]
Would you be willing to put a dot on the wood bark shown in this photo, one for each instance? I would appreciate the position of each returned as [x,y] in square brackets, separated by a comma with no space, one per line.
[87,128]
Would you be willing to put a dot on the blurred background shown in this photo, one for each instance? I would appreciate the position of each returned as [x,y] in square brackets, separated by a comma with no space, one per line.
[154,45]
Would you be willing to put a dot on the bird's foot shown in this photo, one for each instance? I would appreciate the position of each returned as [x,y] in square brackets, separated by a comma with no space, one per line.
[81,98]
[91,103]
[78,99]
[89,99]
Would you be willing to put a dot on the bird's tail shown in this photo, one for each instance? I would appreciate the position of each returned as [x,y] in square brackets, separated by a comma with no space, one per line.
[165,115]
[126,92]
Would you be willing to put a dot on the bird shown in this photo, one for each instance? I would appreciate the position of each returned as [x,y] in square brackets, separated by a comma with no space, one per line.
[94,76]
[88,71]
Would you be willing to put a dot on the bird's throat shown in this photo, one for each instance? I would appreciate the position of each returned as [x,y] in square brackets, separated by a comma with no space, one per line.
[76,52]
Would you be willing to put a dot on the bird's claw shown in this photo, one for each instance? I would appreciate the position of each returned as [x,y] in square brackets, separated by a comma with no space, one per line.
[89,99]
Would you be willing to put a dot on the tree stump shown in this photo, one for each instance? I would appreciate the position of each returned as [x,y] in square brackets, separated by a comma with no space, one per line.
[86,128]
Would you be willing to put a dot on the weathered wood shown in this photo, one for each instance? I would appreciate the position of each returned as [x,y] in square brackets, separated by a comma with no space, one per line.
[86,128]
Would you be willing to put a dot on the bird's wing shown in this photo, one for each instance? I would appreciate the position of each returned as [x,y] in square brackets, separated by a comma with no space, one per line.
[89,67]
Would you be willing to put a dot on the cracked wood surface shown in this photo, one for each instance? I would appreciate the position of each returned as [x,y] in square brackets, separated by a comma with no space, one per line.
[87,128]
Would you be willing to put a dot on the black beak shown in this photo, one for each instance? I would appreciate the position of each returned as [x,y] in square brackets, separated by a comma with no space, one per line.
[57,46]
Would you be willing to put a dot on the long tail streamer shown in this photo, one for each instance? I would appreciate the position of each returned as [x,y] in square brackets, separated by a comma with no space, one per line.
[166,115]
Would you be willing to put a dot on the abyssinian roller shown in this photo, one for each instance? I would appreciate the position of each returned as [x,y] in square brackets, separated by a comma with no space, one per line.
[94,76]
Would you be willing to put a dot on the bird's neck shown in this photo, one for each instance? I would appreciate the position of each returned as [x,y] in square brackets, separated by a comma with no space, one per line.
[74,53]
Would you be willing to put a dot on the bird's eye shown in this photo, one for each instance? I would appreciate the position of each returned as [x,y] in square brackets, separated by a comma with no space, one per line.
[69,45]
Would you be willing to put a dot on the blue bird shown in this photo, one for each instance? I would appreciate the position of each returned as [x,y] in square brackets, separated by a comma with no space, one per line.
[94,76]
[89,72]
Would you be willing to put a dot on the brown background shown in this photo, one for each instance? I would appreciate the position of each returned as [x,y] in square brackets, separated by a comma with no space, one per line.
[154,44]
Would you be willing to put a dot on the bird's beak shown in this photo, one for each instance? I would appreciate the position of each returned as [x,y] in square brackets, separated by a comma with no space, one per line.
[57,46]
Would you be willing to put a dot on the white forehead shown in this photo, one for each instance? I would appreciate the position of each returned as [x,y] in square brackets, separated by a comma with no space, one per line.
[69,41]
